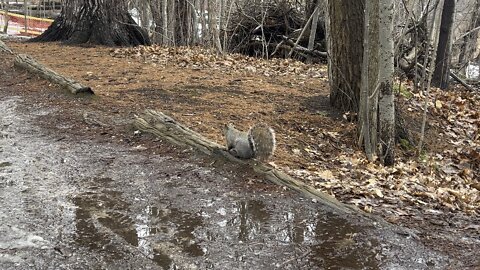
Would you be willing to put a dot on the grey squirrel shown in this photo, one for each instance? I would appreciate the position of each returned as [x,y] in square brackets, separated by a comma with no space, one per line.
[258,142]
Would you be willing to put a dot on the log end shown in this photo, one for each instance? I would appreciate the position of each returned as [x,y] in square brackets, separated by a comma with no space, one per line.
[84,90]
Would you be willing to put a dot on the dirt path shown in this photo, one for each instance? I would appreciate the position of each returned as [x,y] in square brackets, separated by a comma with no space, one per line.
[77,194]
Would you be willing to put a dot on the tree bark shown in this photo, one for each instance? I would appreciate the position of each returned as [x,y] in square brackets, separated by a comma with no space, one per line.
[367,116]
[346,52]
[104,22]
[313,28]
[442,63]
[386,104]
[5,15]
[432,41]
[469,41]
[165,22]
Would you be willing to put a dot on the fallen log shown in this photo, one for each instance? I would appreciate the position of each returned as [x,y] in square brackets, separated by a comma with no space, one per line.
[166,127]
[5,48]
[28,63]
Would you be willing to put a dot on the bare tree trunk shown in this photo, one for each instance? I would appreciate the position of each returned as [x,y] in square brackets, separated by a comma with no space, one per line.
[205,31]
[367,116]
[226,25]
[386,102]
[431,42]
[313,28]
[172,22]
[195,29]
[345,52]
[105,22]
[25,14]
[441,72]
[5,5]
[165,22]
[213,17]
[469,41]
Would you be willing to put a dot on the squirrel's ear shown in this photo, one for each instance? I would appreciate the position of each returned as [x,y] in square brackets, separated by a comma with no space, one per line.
[225,127]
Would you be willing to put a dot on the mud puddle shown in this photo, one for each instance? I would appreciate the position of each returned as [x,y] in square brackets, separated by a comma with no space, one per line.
[71,203]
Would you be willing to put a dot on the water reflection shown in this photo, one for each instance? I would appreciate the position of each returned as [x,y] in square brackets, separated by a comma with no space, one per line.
[334,242]
[102,211]
[296,236]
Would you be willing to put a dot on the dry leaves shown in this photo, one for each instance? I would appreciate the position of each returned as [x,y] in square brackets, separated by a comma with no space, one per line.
[446,179]
[198,57]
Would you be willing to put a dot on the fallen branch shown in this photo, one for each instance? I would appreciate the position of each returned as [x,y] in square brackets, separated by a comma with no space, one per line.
[28,63]
[5,48]
[462,82]
[166,127]
[302,49]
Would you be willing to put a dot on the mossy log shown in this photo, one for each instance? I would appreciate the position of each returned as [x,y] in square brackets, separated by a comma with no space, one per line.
[166,127]
[5,48]
[28,63]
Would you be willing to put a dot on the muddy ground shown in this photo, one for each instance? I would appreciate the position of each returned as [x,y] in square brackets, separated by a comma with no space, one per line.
[80,189]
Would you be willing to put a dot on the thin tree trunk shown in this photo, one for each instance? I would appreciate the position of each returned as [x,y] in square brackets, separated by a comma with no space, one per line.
[431,42]
[225,27]
[205,32]
[213,16]
[364,118]
[25,11]
[442,64]
[165,22]
[467,47]
[368,110]
[155,7]
[313,28]
[5,15]
[211,26]
[386,103]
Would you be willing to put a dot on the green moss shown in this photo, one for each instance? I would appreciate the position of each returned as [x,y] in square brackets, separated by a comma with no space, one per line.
[405,144]
[402,90]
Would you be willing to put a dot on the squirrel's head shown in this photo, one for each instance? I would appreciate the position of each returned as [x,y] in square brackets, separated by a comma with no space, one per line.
[228,127]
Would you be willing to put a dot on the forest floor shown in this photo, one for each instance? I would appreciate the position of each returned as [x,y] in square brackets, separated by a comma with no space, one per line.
[436,195]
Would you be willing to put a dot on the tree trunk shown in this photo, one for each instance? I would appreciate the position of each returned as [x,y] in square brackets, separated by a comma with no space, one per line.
[165,22]
[367,116]
[195,23]
[386,106]
[172,22]
[467,48]
[442,63]
[5,15]
[313,28]
[432,42]
[345,50]
[105,22]
[205,32]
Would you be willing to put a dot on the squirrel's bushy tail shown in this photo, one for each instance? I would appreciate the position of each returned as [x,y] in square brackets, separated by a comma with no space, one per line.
[263,138]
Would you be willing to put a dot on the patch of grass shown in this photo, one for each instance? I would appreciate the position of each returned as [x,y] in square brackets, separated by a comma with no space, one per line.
[405,144]
[5,164]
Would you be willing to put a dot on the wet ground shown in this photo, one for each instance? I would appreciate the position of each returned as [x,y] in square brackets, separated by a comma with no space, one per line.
[73,201]
[79,189]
